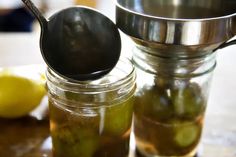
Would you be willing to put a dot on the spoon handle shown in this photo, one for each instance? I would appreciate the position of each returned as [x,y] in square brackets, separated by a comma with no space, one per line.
[35,11]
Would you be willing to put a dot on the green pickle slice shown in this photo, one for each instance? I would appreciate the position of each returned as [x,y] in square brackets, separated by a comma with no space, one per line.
[75,142]
[118,117]
[154,103]
[186,134]
[188,101]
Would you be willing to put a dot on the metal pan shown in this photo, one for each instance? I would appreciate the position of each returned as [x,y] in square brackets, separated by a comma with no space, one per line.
[178,27]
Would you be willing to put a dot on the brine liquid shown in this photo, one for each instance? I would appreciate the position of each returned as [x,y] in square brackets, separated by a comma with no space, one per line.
[175,139]
[87,132]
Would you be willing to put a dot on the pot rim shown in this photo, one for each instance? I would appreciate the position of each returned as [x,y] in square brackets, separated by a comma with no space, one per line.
[173,19]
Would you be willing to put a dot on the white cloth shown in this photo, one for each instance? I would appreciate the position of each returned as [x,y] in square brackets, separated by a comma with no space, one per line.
[9,4]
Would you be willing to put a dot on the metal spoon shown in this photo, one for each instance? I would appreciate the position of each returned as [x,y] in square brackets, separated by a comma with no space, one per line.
[78,43]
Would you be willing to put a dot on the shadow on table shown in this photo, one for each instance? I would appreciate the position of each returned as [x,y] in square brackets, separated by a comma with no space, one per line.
[138,154]
[24,137]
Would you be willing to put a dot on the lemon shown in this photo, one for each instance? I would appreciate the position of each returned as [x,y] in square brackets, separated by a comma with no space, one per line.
[19,95]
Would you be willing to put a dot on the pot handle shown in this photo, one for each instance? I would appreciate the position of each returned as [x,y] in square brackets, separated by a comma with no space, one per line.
[226,44]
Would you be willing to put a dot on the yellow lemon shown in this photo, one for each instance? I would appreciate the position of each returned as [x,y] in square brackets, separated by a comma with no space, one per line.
[19,95]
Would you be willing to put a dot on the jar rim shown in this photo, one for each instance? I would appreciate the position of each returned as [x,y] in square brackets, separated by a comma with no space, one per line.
[174,66]
[95,85]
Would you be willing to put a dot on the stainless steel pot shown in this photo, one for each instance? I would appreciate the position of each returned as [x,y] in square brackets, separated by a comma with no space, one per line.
[178,27]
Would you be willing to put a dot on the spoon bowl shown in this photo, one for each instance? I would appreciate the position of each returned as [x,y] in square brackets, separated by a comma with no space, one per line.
[78,43]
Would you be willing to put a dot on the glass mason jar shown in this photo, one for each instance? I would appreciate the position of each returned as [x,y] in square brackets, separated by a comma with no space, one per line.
[170,103]
[92,118]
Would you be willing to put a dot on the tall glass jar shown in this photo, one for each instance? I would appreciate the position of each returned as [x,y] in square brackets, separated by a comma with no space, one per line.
[92,118]
[170,102]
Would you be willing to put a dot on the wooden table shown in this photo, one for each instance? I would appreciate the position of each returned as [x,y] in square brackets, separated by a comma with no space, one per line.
[29,136]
